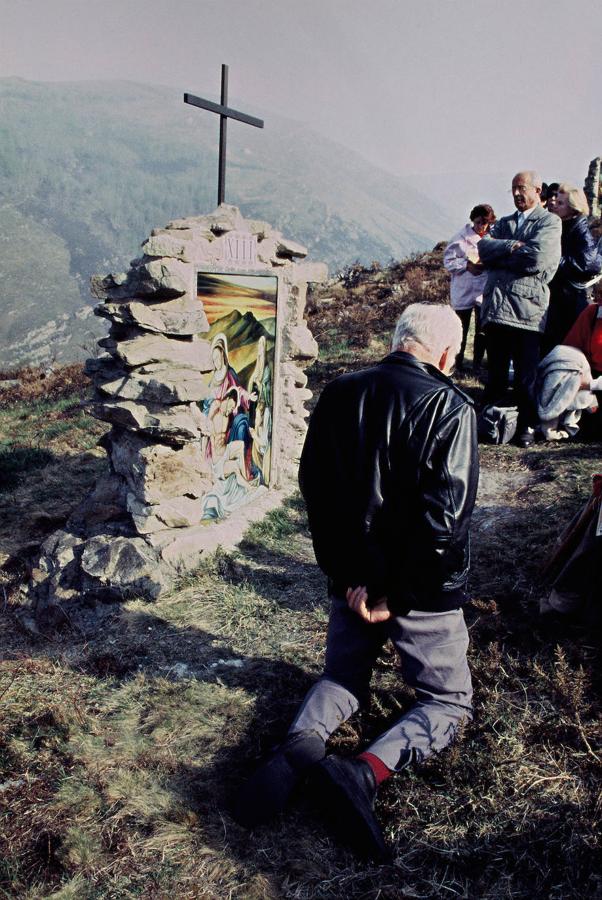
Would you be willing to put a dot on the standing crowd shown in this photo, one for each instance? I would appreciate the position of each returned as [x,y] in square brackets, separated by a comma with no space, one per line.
[528,277]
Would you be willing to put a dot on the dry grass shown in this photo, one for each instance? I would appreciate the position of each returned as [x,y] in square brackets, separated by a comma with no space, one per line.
[124,735]
[349,318]
[43,384]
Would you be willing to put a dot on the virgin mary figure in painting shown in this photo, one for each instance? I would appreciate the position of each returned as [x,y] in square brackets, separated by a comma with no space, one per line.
[224,376]
[223,379]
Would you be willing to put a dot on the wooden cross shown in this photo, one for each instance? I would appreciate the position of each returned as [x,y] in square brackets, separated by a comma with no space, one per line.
[224,113]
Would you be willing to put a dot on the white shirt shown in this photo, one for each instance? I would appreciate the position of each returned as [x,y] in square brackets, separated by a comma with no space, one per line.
[466,290]
[525,213]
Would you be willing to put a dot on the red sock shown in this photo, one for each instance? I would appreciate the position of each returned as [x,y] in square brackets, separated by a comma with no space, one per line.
[381,771]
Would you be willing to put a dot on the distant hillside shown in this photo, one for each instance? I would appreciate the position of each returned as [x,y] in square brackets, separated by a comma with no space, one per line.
[87,169]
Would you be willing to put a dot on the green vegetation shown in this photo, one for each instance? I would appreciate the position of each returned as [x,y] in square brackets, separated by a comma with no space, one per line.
[124,735]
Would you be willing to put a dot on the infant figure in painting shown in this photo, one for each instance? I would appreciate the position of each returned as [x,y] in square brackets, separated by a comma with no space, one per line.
[228,456]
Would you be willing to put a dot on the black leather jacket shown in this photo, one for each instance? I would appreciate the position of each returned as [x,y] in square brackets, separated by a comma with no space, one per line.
[389,474]
[580,259]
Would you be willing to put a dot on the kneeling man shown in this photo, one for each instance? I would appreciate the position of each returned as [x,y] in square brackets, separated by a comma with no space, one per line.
[389,474]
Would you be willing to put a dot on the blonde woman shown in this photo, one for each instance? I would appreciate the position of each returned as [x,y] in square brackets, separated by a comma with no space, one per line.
[580,266]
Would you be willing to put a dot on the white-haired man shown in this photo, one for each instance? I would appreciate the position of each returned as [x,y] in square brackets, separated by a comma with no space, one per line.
[389,474]
[521,254]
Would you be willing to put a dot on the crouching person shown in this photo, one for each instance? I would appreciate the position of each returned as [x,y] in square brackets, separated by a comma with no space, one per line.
[389,474]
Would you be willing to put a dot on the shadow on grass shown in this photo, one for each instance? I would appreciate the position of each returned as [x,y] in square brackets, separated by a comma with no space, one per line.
[124,644]
[16,462]
[43,490]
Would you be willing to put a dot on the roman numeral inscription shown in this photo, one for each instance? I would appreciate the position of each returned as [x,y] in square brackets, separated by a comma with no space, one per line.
[240,248]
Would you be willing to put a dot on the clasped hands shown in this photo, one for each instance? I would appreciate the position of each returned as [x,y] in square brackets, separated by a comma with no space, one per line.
[357,600]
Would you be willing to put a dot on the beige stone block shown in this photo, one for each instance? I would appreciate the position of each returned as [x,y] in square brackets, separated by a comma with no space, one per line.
[172,317]
[165,276]
[162,384]
[294,396]
[182,548]
[290,249]
[296,374]
[311,272]
[59,550]
[225,218]
[295,303]
[293,407]
[185,233]
[124,567]
[161,278]
[299,343]
[266,251]
[182,422]
[163,243]
[261,229]
[147,349]
[157,472]
[193,228]
[179,512]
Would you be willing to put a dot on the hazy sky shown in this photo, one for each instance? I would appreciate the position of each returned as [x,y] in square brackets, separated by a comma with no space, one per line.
[416,86]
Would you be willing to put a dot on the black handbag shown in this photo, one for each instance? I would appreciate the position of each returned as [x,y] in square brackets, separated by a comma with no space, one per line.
[497,424]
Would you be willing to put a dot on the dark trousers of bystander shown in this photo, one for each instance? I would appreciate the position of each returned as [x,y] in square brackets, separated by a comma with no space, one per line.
[522,347]
[478,351]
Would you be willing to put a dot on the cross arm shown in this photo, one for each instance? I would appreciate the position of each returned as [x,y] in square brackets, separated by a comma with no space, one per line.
[222,110]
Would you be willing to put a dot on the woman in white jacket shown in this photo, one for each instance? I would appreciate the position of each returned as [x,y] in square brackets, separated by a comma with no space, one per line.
[461,259]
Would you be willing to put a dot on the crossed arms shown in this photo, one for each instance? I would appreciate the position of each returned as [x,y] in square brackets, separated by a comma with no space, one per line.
[537,251]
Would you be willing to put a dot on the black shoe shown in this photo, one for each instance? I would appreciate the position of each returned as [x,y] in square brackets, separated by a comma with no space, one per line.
[526,438]
[345,790]
[267,791]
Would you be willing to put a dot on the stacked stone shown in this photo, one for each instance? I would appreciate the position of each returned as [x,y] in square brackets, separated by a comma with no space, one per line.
[149,383]
[592,187]
[141,525]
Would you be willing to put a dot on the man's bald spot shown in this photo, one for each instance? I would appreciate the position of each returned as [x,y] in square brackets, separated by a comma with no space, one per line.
[530,176]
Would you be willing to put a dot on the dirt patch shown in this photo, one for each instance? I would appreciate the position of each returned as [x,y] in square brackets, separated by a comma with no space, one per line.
[500,497]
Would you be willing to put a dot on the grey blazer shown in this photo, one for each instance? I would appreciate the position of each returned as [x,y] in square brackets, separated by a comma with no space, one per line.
[517,292]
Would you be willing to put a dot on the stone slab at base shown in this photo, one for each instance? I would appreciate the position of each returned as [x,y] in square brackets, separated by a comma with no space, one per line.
[114,567]
[182,548]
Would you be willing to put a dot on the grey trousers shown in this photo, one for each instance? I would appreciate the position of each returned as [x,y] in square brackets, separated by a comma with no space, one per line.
[432,650]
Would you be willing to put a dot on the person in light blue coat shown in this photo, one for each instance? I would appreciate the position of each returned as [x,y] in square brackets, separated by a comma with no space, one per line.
[521,255]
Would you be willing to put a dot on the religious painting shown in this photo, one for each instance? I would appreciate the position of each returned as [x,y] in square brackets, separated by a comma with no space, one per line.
[238,412]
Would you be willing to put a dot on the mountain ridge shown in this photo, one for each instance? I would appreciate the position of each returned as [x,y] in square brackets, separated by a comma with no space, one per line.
[87,169]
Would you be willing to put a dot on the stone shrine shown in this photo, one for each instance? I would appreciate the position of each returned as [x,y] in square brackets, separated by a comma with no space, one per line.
[202,381]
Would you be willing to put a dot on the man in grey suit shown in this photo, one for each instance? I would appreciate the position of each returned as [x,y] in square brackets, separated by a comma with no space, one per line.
[521,254]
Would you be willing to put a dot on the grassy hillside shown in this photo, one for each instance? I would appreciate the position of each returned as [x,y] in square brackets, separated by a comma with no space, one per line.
[43,318]
[125,734]
[88,169]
